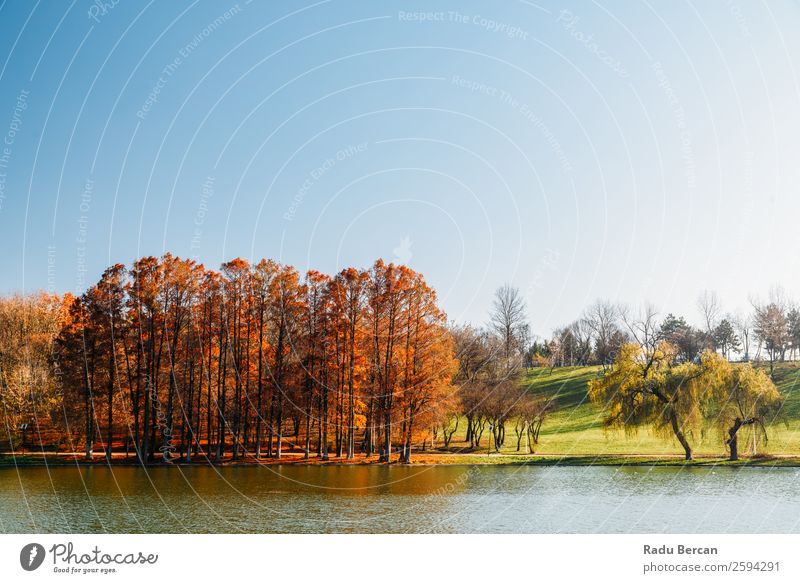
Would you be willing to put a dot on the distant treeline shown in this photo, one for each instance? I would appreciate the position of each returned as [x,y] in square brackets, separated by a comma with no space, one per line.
[769,332]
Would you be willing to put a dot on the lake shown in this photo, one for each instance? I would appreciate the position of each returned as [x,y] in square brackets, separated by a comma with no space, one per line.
[398,499]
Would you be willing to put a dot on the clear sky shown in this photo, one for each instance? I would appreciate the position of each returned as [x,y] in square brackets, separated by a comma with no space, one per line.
[630,151]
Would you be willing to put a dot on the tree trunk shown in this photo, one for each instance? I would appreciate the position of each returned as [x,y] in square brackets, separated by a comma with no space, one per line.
[324,423]
[351,435]
[110,437]
[145,447]
[409,437]
[260,405]
[673,419]
[386,454]
[351,413]
[733,442]
[279,428]
[733,432]
[309,405]
[271,426]
[89,427]
[519,431]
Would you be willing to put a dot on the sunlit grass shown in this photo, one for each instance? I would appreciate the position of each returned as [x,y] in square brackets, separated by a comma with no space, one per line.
[576,426]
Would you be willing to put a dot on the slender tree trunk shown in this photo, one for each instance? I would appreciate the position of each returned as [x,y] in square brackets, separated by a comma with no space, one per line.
[111,369]
[221,380]
[209,409]
[187,433]
[319,427]
[325,421]
[409,436]
[369,430]
[386,454]
[260,379]
[145,448]
[196,432]
[308,425]
[673,419]
[351,419]
[733,442]
[89,425]
[520,432]
[351,411]
[271,427]
[340,420]
[279,428]
[148,401]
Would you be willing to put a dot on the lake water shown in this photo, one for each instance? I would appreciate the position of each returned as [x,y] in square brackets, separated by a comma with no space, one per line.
[379,499]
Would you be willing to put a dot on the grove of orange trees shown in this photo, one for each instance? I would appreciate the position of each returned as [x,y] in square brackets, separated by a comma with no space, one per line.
[167,360]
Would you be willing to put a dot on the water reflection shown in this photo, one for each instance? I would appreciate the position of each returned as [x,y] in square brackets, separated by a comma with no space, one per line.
[398,499]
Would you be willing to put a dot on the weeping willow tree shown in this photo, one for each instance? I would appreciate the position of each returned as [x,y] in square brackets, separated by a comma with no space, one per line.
[746,400]
[646,388]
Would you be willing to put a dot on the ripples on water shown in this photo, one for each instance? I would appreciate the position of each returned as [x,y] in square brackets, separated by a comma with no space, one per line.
[380,499]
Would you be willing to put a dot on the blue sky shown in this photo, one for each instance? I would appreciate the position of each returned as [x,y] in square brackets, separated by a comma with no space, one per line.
[630,152]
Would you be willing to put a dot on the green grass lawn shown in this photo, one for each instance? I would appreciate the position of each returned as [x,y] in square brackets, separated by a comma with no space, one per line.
[576,427]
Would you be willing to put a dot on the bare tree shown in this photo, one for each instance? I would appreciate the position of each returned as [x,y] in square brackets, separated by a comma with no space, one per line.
[794,330]
[643,326]
[779,296]
[710,308]
[508,320]
[603,319]
[744,329]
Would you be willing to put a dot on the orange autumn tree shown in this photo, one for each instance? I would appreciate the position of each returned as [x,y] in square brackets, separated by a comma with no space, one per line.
[387,299]
[314,352]
[428,364]
[347,307]
[285,308]
[30,370]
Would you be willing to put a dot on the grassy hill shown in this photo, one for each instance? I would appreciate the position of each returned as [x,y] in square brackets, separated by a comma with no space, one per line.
[576,428]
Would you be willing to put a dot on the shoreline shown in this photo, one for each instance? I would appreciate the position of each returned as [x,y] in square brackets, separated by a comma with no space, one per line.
[417,460]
